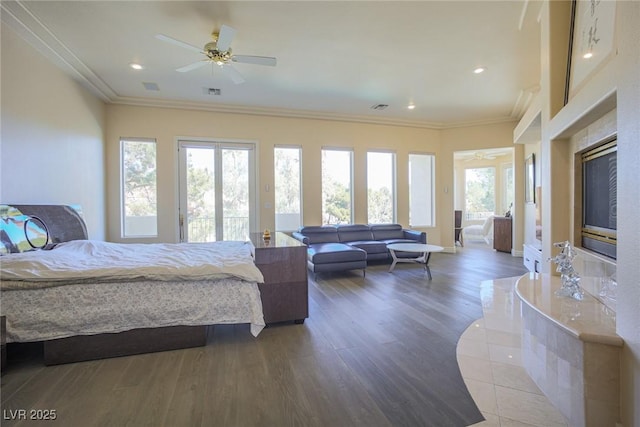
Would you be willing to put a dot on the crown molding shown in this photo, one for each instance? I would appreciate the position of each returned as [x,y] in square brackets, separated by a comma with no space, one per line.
[29,27]
[299,114]
[17,16]
[268,111]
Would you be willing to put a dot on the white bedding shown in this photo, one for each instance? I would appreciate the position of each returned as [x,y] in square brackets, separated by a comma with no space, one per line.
[88,308]
[82,260]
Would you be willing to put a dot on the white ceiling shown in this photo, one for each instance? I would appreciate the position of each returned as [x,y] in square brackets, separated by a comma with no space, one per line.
[335,59]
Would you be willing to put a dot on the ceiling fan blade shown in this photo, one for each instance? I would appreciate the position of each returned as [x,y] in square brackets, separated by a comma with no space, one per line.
[225,37]
[192,66]
[234,74]
[258,60]
[178,43]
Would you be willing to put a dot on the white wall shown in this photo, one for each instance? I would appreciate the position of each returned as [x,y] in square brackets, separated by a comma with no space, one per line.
[628,314]
[616,84]
[52,136]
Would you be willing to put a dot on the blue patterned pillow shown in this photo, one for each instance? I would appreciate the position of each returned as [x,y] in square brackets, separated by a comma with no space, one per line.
[21,233]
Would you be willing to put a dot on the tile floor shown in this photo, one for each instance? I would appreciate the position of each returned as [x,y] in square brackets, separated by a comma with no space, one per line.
[489,357]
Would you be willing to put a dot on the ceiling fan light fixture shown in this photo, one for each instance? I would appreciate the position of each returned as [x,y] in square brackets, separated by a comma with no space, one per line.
[218,51]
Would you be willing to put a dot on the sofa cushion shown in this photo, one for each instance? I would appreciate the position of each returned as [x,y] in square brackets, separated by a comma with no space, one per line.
[354,232]
[323,253]
[391,241]
[320,234]
[387,231]
[370,246]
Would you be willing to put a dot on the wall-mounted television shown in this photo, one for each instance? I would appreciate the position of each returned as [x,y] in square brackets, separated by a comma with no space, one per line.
[599,198]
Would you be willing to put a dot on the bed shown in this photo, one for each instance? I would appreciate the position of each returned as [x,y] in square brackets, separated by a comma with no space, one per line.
[90,299]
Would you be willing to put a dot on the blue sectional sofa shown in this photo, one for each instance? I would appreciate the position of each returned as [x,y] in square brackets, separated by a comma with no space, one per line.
[349,247]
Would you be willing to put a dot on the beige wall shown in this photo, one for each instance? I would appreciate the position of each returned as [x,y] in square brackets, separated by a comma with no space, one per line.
[52,136]
[166,125]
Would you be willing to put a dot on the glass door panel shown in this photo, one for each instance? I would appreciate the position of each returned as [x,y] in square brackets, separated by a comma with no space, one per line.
[235,194]
[200,213]
[216,191]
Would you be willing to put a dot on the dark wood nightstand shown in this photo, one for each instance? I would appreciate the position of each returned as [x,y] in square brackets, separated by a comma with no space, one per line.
[502,234]
[283,263]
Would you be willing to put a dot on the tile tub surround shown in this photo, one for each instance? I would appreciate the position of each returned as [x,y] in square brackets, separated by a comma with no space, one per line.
[571,351]
[489,356]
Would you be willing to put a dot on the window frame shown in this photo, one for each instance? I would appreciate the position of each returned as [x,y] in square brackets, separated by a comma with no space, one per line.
[432,194]
[300,178]
[123,209]
[394,180]
[183,143]
[351,180]
[468,213]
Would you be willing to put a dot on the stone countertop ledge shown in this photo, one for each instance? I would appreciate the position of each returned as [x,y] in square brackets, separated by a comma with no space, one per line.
[588,320]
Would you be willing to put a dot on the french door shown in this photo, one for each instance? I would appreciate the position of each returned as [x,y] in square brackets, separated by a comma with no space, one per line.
[217,190]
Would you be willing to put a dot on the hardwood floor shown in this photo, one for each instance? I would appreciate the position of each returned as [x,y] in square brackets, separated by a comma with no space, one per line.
[375,351]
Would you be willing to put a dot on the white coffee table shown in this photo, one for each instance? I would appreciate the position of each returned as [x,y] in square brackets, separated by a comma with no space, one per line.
[423,250]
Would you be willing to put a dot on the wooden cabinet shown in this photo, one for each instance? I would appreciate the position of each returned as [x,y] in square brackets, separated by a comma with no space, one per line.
[502,234]
[283,263]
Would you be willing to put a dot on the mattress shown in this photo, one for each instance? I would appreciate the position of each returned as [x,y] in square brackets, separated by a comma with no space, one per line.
[94,308]
[85,287]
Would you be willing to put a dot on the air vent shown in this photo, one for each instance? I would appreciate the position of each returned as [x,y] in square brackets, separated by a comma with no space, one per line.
[150,86]
[212,91]
[379,106]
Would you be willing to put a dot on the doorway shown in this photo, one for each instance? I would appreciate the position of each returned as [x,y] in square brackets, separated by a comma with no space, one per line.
[217,187]
[483,184]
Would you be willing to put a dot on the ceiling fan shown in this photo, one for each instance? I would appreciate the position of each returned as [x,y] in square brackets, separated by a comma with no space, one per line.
[479,155]
[218,51]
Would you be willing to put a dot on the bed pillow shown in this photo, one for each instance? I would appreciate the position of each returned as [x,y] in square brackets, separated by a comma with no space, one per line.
[21,233]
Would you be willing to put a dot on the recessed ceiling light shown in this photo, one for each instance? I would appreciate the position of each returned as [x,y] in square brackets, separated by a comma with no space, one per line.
[587,55]
[136,66]
[411,106]
[479,70]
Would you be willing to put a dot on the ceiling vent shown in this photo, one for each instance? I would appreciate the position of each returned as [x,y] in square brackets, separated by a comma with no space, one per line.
[379,106]
[150,86]
[212,91]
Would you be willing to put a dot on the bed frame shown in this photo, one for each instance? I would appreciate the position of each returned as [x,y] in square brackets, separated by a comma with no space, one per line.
[65,224]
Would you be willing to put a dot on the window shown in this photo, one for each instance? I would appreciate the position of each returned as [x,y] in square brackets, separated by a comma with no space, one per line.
[381,188]
[337,190]
[139,188]
[288,188]
[217,187]
[421,190]
[480,192]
